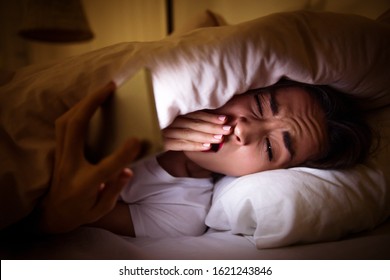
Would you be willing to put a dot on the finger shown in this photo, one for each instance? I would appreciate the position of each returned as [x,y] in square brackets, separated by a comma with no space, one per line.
[201,126]
[76,121]
[183,145]
[118,160]
[208,117]
[61,125]
[88,105]
[191,135]
[110,194]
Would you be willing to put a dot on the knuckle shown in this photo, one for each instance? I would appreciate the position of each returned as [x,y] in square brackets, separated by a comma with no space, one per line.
[198,124]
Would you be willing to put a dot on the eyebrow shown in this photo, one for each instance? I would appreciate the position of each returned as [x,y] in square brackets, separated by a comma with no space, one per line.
[259,107]
[273,104]
[288,143]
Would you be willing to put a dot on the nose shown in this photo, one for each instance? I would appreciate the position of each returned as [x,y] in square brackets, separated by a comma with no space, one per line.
[246,131]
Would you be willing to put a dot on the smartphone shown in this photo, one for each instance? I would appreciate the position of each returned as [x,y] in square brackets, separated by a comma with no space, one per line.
[129,112]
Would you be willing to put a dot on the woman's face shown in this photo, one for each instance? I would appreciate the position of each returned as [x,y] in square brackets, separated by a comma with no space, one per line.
[270,131]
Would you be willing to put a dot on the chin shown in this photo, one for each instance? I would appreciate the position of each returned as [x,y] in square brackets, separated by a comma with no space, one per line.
[206,160]
[211,162]
[217,163]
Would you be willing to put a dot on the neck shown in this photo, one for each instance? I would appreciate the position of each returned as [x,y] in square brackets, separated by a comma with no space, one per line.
[178,165]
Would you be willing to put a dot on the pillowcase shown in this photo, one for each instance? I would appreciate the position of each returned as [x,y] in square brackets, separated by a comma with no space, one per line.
[193,71]
[301,205]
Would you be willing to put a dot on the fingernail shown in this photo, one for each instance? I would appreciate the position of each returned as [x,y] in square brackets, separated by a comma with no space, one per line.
[213,148]
[207,147]
[218,136]
[227,127]
[222,118]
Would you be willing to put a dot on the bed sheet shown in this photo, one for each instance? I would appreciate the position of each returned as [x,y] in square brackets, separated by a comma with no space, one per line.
[94,243]
[226,246]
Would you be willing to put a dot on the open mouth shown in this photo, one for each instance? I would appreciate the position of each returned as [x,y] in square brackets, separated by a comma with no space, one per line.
[215,147]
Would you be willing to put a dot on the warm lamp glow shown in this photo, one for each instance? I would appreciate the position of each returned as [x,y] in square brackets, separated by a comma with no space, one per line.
[55,21]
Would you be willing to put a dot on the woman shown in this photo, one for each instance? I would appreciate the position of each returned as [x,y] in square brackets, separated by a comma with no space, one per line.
[282,126]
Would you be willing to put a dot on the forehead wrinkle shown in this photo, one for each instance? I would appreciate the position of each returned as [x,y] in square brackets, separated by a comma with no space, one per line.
[306,123]
[308,128]
[301,128]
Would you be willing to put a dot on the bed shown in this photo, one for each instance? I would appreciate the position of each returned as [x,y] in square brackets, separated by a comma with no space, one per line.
[297,213]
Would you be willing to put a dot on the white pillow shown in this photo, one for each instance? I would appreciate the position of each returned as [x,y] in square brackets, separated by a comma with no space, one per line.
[300,205]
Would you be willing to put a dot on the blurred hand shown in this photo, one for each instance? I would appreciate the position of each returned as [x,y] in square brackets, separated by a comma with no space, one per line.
[196,131]
[81,192]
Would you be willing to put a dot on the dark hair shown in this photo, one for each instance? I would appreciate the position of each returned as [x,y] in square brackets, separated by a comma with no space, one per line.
[350,138]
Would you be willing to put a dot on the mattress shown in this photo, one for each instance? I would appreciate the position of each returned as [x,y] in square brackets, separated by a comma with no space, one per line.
[93,244]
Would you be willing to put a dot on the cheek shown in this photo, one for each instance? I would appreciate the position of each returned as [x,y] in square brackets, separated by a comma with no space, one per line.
[243,164]
[238,163]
